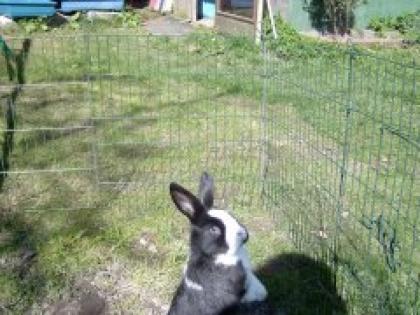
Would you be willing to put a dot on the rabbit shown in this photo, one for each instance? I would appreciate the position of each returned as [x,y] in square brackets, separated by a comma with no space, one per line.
[218,276]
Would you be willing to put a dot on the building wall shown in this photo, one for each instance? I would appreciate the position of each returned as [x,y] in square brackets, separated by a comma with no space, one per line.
[293,12]
[230,25]
[384,8]
[186,9]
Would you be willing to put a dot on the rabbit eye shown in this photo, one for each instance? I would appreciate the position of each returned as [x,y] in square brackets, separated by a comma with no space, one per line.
[215,230]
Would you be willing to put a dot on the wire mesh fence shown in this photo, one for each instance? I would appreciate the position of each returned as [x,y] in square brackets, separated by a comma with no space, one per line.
[328,146]
[343,171]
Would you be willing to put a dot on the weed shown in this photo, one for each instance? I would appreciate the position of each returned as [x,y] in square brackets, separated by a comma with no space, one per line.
[407,24]
[292,44]
[33,25]
[74,21]
[127,19]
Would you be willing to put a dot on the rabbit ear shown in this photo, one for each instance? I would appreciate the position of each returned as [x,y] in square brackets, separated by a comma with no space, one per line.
[206,190]
[186,202]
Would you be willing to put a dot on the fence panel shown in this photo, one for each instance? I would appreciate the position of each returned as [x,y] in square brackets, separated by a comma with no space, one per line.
[342,171]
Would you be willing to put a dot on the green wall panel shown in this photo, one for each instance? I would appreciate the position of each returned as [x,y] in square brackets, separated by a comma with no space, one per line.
[295,14]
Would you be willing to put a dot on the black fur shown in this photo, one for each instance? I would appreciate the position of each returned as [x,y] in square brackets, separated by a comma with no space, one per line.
[180,195]
[222,286]
[206,190]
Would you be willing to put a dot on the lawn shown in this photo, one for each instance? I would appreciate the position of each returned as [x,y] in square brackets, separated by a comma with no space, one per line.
[92,159]
[107,121]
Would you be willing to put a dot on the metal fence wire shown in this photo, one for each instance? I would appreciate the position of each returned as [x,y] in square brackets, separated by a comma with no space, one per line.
[329,146]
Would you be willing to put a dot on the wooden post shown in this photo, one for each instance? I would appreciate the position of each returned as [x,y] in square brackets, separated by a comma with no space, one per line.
[258,26]
[270,14]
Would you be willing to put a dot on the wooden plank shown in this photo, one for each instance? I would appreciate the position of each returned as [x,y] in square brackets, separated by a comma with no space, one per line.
[258,24]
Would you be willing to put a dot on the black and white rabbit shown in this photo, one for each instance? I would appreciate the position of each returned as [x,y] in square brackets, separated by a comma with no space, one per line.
[218,275]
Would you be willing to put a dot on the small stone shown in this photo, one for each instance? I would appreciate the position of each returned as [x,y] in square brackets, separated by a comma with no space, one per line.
[152,248]
[143,241]
[323,234]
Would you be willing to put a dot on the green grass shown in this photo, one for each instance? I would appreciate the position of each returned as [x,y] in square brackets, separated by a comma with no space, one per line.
[84,223]
[165,109]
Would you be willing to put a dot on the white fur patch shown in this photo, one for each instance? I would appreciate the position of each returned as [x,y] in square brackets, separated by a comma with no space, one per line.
[255,290]
[192,285]
[226,260]
[234,233]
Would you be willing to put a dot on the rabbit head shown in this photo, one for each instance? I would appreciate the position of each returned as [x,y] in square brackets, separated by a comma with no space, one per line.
[215,233]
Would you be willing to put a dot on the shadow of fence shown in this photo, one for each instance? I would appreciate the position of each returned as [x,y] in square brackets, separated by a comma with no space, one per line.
[298,284]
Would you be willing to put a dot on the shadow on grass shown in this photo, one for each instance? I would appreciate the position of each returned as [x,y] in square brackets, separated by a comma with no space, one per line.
[18,263]
[298,284]
[155,93]
[27,273]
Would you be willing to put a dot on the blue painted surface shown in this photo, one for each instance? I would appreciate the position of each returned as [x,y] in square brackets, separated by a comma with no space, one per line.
[83,5]
[26,8]
[209,9]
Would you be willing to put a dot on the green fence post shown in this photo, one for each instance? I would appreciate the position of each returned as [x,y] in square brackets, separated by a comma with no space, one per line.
[10,115]
[263,113]
[345,157]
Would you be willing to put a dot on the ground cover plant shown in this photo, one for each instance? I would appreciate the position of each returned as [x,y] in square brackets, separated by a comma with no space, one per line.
[407,25]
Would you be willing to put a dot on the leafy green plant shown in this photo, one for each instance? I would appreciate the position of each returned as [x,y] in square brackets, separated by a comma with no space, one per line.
[75,21]
[405,23]
[34,25]
[288,38]
[290,43]
[377,24]
[127,19]
[413,35]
